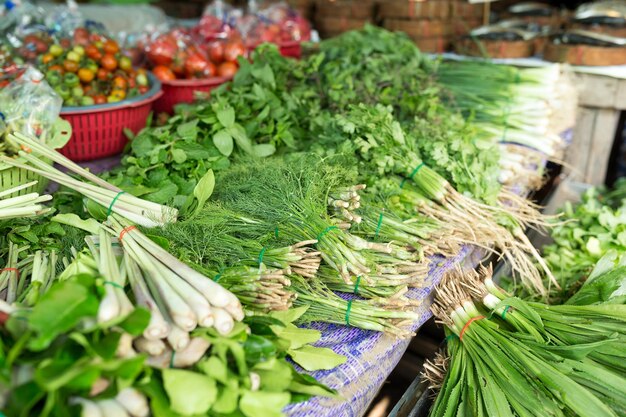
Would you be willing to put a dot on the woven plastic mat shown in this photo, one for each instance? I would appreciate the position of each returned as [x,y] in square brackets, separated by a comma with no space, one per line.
[371,355]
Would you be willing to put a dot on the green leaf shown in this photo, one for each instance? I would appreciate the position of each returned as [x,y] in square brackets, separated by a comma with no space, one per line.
[59,310]
[314,358]
[136,322]
[263,404]
[226,402]
[296,336]
[241,138]
[164,194]
[189,130]
[275,375]
[189,392]
[215,368]
[223,141]
[179,156]
[90,225]
[204,189]
[142,145]
[263,150]
[290,315]
[226,116]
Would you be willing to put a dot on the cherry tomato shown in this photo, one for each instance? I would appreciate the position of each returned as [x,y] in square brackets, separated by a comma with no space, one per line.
[111,47]
[56,50]
[92,52]
[162,50]
[126,63]
[70,66]
[108,62]
[216,52]
[65,43]
[227,69]
[103,74]
[143,89]
[86,75]
[40,46]
[232,50]
[119,83]
[118,93]
[57,68]
[132,83]
[163,73]
[196,64]
[47,58]
[81,36]
[99,99]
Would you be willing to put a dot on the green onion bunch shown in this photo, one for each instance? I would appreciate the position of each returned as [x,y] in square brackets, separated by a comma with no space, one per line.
[511,358]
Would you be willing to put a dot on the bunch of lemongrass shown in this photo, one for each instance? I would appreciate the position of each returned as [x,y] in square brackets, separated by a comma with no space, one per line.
[28,205]
[12,273]
[495,370]
[138,211]
[41,273]
[128,402]
[185,297]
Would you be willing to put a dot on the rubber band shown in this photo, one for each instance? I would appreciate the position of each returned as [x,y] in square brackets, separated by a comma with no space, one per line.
[26,149]
[17,271]
[110,210]
[410,177]
[114,284]
[380,223]
[328,229]
[172,359]
[470,321]
[506,308]
[260,260]
[348,312]
[276,232]
[217,277]
[356,285]
[124,231]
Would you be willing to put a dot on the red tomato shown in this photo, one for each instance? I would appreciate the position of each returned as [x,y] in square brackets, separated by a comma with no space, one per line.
[103,74]
[216,52]
[81,36]
[65,43]
[162,50]
[163,73]
[108,62]
[70,66]
[111,47]
[86,75]
[196,64]
[119,83]
[227,69]
[232,50]
[92,52]
[99,99]
[143,89]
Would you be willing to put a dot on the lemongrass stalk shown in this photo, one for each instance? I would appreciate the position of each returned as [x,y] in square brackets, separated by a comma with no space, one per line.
[153,347]
[88,408]
[112,408]
[178,338]
[134,402]
[223,321]
[17,188]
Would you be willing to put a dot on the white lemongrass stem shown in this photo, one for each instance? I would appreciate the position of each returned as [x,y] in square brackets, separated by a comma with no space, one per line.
[178,338]
[192,353]
[17,188]
[134,402]
[88,408]
[223,321]
[55,156]
[125,347]
[151,347]
[157,327]
[112,408]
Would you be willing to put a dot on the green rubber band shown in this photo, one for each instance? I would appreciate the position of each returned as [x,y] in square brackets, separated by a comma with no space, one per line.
[504,312]
[348,312]
[328,229]
[110,210]
[261,255]
[114,284]
[217,277]
[356,285]
[410,177]
[276,232]
[380,223]
[172,359]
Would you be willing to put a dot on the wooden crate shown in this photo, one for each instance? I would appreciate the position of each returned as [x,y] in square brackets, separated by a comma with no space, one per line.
[462,27]
[333,26]
[413,9]
[419,28]
[601,100]
[463,9]
[350,9]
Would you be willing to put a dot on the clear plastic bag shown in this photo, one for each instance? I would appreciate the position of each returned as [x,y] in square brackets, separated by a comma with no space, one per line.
[218,21]
[29,105]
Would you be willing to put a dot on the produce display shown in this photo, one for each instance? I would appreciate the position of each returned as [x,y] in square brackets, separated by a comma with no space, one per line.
[190,278]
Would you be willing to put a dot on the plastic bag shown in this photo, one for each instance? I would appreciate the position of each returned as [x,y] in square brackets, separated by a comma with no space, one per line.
[218,21]
[291,25]
[29,105]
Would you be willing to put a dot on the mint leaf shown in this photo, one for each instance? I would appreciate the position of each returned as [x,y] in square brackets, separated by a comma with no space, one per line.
[223,141]
[226,116]
[313,358]
[189,392]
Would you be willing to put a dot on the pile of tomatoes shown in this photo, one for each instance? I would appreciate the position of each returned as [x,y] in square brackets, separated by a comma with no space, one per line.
[177,55]
[90,69]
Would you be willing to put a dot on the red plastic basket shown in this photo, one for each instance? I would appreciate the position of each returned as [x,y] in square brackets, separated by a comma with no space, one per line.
[182,91]
[98,131]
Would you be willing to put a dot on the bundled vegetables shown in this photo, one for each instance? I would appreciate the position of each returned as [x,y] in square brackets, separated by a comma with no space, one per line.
[22,206]
[546,360]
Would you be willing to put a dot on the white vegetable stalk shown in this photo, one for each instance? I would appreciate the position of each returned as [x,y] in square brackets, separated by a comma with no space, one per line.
[135,209]
[89,408]
[134,402]
[112,408]
[27,205]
